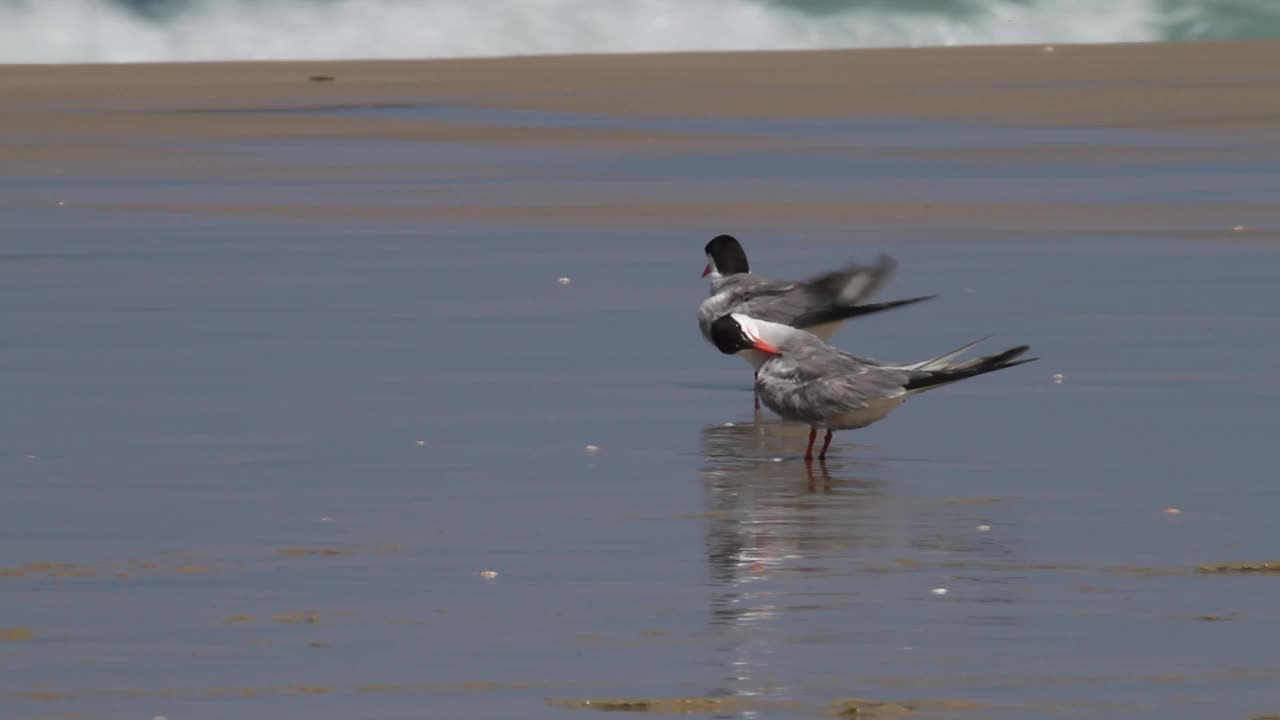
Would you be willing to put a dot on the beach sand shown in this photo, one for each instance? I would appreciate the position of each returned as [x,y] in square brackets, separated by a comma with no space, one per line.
[372,389]
[153,122]
[1225,86]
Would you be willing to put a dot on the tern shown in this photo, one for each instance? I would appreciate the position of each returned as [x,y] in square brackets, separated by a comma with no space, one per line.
[819,304]
[802,378]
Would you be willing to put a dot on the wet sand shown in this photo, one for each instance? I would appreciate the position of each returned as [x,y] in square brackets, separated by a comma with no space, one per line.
[297,411]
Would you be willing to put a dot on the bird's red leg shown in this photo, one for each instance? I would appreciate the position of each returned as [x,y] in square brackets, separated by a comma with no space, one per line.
[808,453]
[826,443]
[754,391]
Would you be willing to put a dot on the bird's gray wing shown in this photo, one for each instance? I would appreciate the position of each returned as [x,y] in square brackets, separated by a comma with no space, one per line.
[853,283]
[784,302]
[747,286]
[819,381]
[851,391]
[736,294]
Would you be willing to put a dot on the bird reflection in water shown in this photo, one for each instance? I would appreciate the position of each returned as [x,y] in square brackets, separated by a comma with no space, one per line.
[767,509]
[769,518]
[785,541]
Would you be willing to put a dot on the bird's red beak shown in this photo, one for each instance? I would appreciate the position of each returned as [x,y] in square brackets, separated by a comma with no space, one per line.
[706,270]
[766,348]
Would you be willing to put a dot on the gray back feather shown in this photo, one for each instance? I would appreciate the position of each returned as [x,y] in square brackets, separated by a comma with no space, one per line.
[811,380]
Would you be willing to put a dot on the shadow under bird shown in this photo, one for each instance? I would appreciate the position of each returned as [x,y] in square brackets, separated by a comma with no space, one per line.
[820,304]
[802,378]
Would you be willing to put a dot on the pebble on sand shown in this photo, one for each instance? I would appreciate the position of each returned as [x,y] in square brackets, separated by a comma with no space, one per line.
[421,443]
[1238,228]
[564,281]
[1172,511]
[939,591]
[1057,378]
[1047,48]
[488,574]
[591,449]
[984,528]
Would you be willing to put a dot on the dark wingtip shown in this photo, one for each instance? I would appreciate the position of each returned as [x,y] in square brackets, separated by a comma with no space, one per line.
[844,312]
[891,304]
[1016,363]
[1010,354]
[999,361]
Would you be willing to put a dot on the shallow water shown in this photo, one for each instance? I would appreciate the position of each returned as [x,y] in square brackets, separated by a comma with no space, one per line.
[257,467]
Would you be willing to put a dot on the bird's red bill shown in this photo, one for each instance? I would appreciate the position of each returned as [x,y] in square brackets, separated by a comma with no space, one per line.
[765,347]
[707,270]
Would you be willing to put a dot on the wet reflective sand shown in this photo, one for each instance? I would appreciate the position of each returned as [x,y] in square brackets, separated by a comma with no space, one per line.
[302,431]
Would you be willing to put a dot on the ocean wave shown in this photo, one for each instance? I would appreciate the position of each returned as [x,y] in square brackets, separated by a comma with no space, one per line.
[65,31]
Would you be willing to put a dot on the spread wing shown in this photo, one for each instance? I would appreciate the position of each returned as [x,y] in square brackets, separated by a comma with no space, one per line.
[784,302]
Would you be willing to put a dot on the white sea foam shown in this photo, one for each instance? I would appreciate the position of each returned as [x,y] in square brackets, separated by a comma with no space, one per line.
[62,31]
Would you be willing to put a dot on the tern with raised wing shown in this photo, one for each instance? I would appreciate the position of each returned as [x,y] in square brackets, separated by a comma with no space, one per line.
[802,378]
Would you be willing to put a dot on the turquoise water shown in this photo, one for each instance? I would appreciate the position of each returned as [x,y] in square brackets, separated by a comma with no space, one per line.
[172,30]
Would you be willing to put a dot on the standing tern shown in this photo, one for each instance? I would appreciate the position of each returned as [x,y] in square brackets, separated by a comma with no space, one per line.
[819,304]
[802,378]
